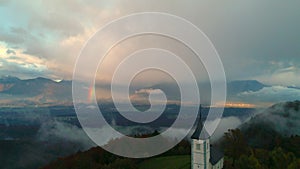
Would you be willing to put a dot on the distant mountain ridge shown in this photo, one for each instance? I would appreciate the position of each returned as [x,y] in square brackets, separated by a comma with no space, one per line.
[43,91]
[32,87]
[235,87]
[35,91]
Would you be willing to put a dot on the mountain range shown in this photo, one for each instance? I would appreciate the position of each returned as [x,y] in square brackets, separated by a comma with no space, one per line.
[38,91]
[42,91]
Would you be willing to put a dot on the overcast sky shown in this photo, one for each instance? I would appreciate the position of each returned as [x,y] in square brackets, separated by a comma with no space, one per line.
[255,39]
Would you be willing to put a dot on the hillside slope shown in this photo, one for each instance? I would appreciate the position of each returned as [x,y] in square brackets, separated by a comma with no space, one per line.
[279,120]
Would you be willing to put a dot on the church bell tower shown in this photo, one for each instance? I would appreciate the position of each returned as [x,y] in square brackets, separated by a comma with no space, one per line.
[200,146]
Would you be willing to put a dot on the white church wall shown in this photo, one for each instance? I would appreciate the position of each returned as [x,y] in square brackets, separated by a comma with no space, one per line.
[200,154]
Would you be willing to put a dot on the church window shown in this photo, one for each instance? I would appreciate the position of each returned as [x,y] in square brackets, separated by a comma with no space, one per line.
[198,147]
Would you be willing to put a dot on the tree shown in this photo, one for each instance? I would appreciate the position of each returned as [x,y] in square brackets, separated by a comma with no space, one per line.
[280,159]
[295,164]
[235,144]
[245,162]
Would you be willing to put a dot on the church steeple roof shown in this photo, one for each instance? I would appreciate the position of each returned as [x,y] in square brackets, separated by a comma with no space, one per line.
[200,132]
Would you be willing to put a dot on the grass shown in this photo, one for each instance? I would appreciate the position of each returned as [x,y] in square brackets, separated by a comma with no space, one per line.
[169,162]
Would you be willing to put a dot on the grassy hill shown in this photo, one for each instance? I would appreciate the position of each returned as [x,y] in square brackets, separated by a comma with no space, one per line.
[169,162]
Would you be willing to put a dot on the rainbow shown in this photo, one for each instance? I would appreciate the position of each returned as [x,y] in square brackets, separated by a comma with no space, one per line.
[91,93]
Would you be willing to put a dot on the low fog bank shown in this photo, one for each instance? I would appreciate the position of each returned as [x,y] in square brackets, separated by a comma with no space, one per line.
[31,147]
[54,131]
[39,137]
[283,117]
[225,124]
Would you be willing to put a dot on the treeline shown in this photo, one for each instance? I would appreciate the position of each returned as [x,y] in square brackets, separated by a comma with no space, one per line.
[241,152]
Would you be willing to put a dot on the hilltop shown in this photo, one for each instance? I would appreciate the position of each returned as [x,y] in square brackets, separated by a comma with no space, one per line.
[279,120]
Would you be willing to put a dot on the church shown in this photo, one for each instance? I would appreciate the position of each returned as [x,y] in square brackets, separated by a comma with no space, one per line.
[203,155]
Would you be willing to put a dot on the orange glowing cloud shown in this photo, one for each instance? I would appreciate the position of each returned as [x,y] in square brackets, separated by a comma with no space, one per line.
[239,105]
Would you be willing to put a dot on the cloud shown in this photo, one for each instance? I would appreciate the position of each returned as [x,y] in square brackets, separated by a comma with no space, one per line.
[285,74]
[58,130]
[43,27]
[64,25]
[223,126]
[271,94]
[9,51]
[16,63]
[246,40]
[3,2]
[148,91]
[283,117]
